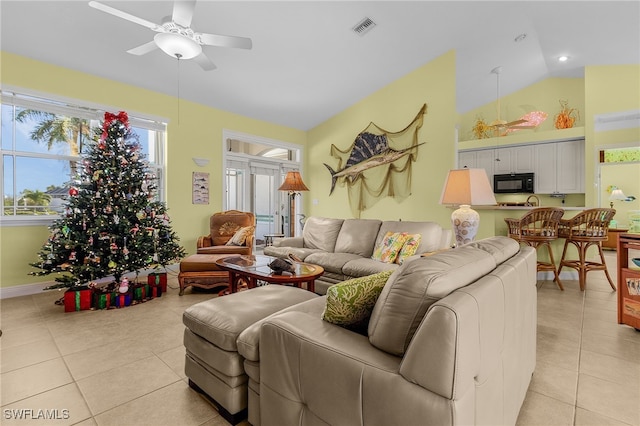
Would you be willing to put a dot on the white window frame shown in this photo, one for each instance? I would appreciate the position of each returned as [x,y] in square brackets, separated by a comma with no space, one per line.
[27,98]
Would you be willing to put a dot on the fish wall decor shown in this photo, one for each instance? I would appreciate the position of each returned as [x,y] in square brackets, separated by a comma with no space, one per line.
[377,163]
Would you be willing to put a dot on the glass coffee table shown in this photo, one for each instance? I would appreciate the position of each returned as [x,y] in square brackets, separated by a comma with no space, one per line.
[254,268]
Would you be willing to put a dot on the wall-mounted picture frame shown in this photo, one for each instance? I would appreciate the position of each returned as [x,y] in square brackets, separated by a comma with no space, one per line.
[200,188]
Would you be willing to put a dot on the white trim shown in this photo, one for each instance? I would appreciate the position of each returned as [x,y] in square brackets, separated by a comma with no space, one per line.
[23,290]
[83,104]
[36,288]
[617,120]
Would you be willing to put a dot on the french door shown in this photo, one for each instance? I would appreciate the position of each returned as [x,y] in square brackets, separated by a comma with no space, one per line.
[254,170]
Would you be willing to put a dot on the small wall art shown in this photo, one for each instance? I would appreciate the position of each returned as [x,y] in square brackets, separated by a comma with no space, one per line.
[200,188]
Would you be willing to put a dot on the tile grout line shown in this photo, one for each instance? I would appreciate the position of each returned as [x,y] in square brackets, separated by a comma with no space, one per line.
[575,404]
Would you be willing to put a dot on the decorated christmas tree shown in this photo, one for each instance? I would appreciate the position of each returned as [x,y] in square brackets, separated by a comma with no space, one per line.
[112,223]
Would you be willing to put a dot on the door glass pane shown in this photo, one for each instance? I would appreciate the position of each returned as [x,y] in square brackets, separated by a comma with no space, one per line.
[235,189]
[264,206]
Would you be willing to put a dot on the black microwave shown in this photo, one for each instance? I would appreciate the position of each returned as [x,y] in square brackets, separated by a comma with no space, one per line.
[513,183]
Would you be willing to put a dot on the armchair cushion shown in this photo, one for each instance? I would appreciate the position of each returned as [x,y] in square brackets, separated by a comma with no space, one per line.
[241,236]
[223,225]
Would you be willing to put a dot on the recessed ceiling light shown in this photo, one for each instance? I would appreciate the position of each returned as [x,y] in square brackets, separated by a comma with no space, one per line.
[563,58]
[520,38]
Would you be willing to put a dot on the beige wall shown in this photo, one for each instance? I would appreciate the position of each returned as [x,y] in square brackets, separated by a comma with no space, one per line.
[197,132]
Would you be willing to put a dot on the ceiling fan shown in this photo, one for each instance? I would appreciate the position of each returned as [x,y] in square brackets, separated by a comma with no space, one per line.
[501,126]
[175,36]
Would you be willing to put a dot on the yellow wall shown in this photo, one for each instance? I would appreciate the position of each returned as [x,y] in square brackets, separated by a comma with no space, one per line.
[392,108]
[542,96]
[197,132]
[609,89]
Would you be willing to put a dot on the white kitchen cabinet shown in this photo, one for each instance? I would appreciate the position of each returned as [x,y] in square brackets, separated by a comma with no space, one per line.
[559,167]
[515,159]
[478,159]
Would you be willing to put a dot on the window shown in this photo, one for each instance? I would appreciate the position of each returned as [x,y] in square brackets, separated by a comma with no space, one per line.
[42,142]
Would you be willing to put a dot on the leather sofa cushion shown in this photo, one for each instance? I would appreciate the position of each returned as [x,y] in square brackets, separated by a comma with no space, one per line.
[365,266]
[331,262]
[417,285]
[283,252]
[321,233]
[500,248]
[431,233]
[249,339]
[358,236]
[221,320]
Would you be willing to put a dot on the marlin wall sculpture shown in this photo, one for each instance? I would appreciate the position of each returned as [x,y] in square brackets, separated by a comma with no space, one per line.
[369,151]
[378,163]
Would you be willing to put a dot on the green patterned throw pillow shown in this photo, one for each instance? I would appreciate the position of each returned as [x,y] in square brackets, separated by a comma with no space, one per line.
[351,302]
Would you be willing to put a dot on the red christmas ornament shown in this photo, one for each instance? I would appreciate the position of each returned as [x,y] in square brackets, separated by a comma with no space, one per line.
[73,191]
[102,145]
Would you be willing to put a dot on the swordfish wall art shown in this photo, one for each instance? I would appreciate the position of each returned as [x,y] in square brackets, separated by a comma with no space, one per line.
[377,163]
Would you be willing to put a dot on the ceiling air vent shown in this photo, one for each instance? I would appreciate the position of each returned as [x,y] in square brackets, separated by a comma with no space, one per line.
[364,26]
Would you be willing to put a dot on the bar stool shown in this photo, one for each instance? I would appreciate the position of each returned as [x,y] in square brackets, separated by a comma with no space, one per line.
[586,229]
[538,228]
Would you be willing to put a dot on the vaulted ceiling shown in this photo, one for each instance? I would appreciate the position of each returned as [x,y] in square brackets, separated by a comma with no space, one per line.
[307,64]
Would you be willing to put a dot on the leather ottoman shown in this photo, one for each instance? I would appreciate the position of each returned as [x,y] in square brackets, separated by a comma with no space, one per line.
[212,363]
[200,270]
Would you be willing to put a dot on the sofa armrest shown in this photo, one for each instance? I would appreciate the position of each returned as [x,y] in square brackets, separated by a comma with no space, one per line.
[289,242]
[311,369]
[448,337]
[204,241]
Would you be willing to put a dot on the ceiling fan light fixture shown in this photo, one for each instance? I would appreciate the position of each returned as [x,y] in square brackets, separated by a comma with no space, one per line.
[178,45]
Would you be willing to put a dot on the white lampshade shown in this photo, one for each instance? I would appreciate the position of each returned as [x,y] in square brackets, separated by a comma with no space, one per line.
[177,45]
[466,187]
[617,195]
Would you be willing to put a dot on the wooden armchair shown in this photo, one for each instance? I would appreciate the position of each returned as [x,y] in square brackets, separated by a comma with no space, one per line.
[223,226]
[538,228]
[586,229]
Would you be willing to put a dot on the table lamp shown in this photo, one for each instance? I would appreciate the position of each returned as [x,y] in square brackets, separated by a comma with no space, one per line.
[616,195]
[466,187]
[293,184]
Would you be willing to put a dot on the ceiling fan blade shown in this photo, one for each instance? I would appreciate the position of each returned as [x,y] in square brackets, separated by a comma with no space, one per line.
[143,49]
[225,41]
[124,15]
[183,12]
[204,62]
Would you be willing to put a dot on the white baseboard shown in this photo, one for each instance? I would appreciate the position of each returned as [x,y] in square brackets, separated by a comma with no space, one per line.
[35,288]
[569,275]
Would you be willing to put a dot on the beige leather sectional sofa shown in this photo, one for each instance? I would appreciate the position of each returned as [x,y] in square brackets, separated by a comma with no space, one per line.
[451,341]
[343,247]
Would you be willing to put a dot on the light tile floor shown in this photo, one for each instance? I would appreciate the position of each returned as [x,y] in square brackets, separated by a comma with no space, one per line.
[125,366]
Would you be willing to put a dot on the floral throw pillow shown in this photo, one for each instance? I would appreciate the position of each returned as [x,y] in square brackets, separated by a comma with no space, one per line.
[351,302]
[409,248]
[389,248]
[241,236]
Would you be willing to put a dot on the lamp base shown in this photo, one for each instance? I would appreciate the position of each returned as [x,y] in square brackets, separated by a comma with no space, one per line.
[465,223]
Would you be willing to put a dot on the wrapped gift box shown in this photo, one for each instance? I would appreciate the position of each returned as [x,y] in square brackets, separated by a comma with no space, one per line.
[158,278]
[154,291]
[140,292]
[103,300]
[122,300]
[77,299]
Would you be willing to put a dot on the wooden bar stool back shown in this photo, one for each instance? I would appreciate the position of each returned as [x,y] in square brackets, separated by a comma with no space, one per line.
[586,229]
[538,228]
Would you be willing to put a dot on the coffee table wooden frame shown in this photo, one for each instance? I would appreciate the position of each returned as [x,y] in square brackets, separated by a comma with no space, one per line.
[254,268]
